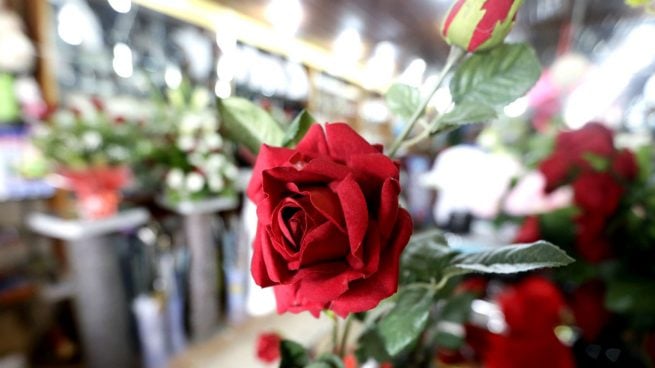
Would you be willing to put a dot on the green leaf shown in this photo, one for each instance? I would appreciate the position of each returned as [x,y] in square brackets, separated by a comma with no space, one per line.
[468,112]
[403,100]
[496,78]
[298,128]
[510,259]
[371,345]
[407,319]
[631,296]
[456,311]
[448,340]
[249,124]
[425,257]
[327,361]
[293,355]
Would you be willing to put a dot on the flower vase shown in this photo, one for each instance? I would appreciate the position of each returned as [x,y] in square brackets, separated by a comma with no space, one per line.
[97,190]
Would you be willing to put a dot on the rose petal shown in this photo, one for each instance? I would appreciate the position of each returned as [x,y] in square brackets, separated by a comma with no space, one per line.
[314,141]
[258,265]
[327,203]
[388,211]
[343,142]
[267,158]
[323,244]
[285,296]
[365,294]
[355,211]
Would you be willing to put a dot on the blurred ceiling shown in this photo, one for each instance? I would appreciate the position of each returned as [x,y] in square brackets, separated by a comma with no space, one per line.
[413,25]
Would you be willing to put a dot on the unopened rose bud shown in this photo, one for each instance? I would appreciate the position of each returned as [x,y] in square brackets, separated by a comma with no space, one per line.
[477,25]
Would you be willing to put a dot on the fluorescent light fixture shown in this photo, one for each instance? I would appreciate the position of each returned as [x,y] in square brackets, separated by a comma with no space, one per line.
[121,6]
[123,60]
[172,77]
[67,24]
[348,47]
[285,15]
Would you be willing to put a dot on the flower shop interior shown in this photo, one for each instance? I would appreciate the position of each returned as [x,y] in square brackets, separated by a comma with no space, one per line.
[291,183]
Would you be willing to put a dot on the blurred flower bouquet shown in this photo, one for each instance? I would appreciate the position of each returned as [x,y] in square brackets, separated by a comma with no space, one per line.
[191,150]
[331,236]
[90,151]
[609,226]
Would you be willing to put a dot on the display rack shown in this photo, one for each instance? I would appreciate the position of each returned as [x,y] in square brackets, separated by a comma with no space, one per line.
[101,304]
[203,274]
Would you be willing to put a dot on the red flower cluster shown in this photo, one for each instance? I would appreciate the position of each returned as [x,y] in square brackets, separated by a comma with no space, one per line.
[529,341]
[330,230]
[587,159]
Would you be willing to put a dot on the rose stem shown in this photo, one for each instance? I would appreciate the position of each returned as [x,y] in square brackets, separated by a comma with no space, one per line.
[335,330]
[454,57]
[344,338]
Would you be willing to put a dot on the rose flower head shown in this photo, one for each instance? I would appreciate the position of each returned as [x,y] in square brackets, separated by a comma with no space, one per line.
[477,25]
[330,231]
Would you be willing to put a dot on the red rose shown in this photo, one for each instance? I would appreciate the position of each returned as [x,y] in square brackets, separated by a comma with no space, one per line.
[268,347]
[330,232]
[477,25]
[530,231]
[588,308]
[532,310]
[570,152]
[625,165]
[598,193]
[594,138]
[556,169]
[591,242]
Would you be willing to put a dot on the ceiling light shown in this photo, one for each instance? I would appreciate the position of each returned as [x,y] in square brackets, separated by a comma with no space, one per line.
[348,47]
[121,6]
[285,15]
[123,60]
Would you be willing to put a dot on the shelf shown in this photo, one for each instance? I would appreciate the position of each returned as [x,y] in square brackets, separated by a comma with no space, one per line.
[71,230]
[200,207]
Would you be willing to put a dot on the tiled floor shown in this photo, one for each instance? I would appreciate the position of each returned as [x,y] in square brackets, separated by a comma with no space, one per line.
[235,347]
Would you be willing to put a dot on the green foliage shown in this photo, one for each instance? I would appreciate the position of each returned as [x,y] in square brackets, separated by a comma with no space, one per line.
[403,100]
[510,259]
[293,355]
[467,112]
[425,258]
[248,124]
[327,361]
[371,345]
[496,78]
[632,295]
[407,319]
[298,128]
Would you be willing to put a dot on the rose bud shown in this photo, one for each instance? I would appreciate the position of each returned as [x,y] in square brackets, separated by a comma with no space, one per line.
[268,347]
[477,25]
[330,231]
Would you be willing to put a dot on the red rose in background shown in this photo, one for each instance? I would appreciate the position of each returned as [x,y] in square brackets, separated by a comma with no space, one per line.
[597,193]
[571,149]
[330,232]
[591,242]
[268,347]
[588,308]
[530,231]
[532,310]
[625,165]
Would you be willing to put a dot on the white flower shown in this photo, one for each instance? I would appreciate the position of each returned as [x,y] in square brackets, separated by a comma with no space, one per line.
[190,123]
[215,161]
[186,142]
[64,118]
[91,140]
[194,182]
[216,183]
[231,171]
[209,123]
[175,179]
[117,153]
[213,141]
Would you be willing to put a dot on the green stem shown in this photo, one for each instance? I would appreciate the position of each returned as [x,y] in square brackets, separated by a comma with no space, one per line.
[454,57]
[335,330]
[344,337]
